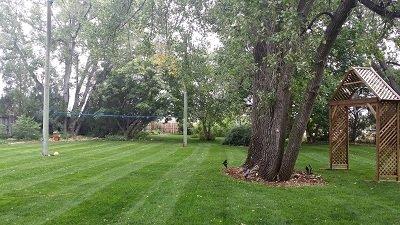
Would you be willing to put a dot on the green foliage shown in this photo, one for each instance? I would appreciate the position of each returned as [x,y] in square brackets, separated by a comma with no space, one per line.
[198,132]
[142,135]
[238,136]
[26,128]
[134,90]
[219,130]
[65,136]
[3,131]
[115,137]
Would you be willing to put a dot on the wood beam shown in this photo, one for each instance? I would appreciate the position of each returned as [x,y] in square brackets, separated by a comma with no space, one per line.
[356,102]
[355,82]
[371,109]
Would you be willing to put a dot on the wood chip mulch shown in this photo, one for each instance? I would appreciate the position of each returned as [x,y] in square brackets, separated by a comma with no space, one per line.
[298,179]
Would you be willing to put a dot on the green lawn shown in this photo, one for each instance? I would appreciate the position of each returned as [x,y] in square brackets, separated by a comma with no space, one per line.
[159,182]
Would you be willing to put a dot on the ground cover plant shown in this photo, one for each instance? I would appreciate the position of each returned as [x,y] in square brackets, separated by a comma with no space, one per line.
[158,182]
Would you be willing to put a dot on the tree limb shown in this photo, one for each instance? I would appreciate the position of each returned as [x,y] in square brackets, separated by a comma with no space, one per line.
[381,10]
[28,67]
[393,63]
[316,18]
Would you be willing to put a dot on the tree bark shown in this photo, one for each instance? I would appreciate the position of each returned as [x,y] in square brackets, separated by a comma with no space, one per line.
[70,49]
[271,101]
[297,131]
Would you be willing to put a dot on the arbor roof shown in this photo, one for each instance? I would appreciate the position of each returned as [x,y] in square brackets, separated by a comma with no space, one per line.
[364,82]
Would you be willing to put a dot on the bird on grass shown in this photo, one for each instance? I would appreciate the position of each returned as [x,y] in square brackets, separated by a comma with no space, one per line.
[225,163]
[309,169]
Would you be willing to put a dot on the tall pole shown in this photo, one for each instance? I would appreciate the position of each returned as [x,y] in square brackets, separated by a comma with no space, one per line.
[46,88]
[185,103]
[185,111]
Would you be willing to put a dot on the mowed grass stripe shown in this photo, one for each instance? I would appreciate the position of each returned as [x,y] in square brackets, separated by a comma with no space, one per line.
[161,197]
[47,162]
[42,167]
[117,188]
[86,172]
[23,149]
[203,199]
[4,148]
[33,153]
[21,146]
[72,193]
[97,150]
[71,170]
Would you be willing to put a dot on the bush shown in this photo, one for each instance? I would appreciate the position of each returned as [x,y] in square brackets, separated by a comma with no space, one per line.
[199,133]
[238,136]
[141,135]
[26,128]
[115,137]
[3,131]
[65,136]
[219,130]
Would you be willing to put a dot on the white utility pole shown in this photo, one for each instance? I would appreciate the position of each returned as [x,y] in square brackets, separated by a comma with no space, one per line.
[46,85]
[185,116]
[185,100]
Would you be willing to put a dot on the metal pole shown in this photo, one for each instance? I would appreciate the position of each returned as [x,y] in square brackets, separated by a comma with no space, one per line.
[185,112]
[45,149]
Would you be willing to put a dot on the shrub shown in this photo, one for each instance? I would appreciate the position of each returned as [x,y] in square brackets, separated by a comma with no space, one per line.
[26,128]
[199,133]
[219,130]
[65,136]
[3,131]
[115,137]
[238,136]
[141,135]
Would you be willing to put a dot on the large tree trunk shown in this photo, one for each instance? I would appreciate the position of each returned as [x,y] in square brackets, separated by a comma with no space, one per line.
[82,98]
[271,101]
[354,123]
[297,131]
[269,114]
[70,49]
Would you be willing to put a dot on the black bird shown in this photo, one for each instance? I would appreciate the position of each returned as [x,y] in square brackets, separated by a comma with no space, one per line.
[225,163]
[309,169]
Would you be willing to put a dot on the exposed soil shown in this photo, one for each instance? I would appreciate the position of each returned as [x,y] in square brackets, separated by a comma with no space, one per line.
[298,179]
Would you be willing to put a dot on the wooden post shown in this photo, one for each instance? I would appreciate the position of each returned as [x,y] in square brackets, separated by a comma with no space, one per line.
[398,141]
[377,137]
[347,136]
[330,136]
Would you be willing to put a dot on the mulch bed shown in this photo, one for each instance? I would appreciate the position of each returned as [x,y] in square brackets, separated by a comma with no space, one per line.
[298,179]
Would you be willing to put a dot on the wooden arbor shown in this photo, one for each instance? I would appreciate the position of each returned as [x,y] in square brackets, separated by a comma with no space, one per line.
[362,86]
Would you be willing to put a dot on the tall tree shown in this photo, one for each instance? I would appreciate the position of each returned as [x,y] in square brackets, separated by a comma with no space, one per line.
[279,35]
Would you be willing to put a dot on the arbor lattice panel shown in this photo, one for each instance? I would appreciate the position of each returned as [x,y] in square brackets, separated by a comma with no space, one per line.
[339,137]
[388,140]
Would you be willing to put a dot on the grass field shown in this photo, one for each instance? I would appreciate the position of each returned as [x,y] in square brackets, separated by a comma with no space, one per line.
[159,182]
